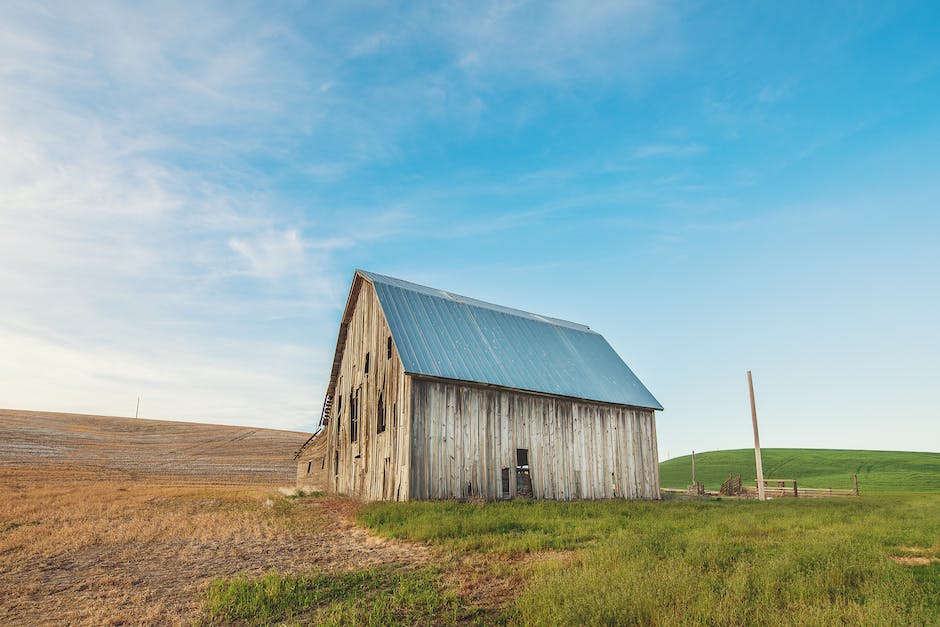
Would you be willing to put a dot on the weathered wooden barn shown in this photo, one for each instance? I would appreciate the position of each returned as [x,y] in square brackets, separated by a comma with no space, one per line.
[439,396]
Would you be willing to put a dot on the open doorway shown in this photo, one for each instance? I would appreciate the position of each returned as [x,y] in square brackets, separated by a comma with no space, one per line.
[523,477]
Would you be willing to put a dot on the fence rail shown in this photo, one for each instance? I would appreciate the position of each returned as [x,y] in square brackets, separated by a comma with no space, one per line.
[781,488]
[773,488]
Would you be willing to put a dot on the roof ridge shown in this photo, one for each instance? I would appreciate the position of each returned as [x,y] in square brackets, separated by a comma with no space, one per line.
[468,300]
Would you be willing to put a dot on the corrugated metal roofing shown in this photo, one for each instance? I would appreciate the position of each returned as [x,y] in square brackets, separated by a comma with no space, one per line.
[444,335]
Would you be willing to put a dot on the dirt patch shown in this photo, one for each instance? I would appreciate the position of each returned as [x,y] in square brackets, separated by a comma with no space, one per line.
[492,581]
[913,560]
[916,556]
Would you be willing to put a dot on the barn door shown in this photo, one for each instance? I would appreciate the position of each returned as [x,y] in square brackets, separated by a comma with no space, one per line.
[523,478]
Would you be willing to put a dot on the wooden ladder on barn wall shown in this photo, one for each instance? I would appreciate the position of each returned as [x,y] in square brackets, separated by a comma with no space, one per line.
[325,412]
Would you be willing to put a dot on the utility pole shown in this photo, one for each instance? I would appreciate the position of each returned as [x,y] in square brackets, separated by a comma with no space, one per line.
[137,411]
[760,466]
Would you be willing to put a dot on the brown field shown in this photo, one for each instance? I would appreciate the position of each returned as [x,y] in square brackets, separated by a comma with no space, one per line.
[115,521]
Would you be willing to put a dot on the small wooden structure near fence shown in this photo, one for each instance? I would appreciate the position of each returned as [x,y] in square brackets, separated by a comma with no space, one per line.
[732,486]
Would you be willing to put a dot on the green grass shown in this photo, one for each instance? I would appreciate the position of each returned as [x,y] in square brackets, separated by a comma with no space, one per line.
[720,562]
[821,561]
[878,471]
[377,596]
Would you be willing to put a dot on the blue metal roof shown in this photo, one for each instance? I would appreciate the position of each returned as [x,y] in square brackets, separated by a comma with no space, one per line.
[444,335]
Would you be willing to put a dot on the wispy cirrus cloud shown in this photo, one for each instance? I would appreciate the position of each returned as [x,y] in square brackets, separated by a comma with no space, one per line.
[564,41]
[649,151]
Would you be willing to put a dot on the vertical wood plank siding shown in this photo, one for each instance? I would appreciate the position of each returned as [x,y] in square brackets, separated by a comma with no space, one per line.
[375,465]
[464,435]
[312,473]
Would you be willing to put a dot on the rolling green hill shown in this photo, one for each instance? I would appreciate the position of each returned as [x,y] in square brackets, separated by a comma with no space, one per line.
[878,471]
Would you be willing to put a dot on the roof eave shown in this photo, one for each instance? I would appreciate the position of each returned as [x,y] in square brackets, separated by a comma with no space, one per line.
[430,377]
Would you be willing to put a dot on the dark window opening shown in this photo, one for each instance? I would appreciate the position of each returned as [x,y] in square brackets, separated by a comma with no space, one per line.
[389,347]
[336,463]
[523,478]
[380,418]
[365,369]
[505,477]
[308,467]
[353,418]
[339,411]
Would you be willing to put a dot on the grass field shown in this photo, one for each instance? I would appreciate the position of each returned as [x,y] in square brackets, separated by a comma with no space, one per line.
[872,560]
[878,472]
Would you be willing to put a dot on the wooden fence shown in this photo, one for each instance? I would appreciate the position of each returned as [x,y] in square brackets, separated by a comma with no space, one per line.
[773,488]
[781,488]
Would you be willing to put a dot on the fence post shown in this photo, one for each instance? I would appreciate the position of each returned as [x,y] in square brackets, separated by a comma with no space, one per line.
[796,492]
[855,481]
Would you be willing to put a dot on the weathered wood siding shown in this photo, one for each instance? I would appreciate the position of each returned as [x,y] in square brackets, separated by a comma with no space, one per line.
[464,435]
[374,465]
[312,472]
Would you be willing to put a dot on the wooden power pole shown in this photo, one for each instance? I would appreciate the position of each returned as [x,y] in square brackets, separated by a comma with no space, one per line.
[760,467]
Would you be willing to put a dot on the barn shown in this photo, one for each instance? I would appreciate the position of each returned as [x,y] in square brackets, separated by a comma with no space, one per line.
[438,396]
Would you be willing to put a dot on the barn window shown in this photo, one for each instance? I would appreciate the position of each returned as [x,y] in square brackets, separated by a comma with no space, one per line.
[522,457]
[339,411]
[389,347]
[380,418]
[366,367]
[308,467]
[353,418]
[336,463]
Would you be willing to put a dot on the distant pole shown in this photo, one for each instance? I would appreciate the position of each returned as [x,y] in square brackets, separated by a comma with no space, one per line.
[137,411]
[693,466]
[855,481]
[760,466]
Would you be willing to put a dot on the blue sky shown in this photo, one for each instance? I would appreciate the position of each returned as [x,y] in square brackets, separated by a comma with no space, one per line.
[185,190]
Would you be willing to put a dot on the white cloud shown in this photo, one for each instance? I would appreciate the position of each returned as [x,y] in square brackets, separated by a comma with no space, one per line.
[371,44]
[668,150]
[271,255]
[773,93]
[564,40]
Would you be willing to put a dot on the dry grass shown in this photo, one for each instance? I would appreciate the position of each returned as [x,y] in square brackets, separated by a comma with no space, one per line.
[97,535]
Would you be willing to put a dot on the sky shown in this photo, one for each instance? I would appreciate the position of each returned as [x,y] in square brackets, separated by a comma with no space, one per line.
[187,188]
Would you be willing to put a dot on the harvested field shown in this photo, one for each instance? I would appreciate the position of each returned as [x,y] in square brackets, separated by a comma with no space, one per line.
[123,521]
[182,449]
